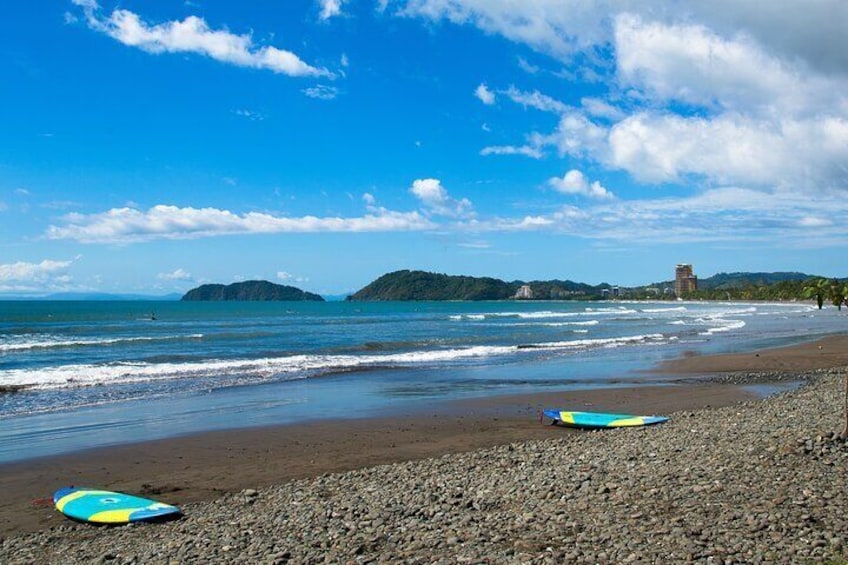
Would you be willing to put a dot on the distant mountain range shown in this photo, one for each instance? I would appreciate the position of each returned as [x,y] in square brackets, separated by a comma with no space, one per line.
[97,296]
[422,285]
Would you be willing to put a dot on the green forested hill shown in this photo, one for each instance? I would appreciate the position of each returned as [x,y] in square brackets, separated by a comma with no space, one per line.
[421,285]
[723,281]
[249,290]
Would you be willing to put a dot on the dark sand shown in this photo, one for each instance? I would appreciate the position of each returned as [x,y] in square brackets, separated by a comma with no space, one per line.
[203,466]
[822,354]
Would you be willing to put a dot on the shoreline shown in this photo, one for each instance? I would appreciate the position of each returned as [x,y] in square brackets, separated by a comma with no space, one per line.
[203,467]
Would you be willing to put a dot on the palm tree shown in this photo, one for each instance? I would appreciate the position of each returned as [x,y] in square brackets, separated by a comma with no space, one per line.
[838,292]
[817,287]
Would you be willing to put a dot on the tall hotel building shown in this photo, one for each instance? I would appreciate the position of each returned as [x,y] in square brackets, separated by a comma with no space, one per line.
[684,280]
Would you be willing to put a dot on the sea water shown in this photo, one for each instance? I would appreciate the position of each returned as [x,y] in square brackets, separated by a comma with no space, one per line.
[94,373]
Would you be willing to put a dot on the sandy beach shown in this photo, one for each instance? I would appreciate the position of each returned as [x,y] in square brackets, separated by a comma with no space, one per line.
[205,467]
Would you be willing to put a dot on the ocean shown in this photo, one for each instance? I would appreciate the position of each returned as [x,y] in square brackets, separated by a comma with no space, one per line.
[97,373]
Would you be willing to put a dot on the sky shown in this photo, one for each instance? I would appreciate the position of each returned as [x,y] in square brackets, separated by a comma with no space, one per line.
[152,146]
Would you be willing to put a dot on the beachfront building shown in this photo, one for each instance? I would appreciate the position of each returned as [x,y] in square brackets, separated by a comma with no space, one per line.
[524,293]
[684,280]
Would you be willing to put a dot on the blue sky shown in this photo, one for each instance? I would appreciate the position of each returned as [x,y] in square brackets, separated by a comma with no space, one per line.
[153,146]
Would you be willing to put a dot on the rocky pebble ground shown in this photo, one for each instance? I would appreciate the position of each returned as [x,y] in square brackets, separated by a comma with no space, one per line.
[759,482]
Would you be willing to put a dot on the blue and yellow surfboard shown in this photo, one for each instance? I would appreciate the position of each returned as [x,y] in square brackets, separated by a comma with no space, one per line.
[107,507]
[599,420]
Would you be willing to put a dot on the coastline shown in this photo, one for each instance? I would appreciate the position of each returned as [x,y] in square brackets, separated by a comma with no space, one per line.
[203,467]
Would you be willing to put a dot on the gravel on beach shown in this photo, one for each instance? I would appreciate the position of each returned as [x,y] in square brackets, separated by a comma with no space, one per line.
[758,482]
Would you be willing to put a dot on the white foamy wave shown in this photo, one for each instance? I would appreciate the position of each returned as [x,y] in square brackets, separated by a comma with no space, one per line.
[42,341]
[611,311]
[294,367]
[724,326]
[557,324]
[664,310]
[734,312]
[605,343]
[125,373]
[542,315]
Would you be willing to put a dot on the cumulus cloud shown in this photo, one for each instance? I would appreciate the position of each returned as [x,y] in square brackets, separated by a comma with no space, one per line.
[330,8]
[692,64]
[731,92]
[435,198]
[177,275]
[796,29]
[127,225]
[23,272]
[193,35]
[485,95]
[574,182]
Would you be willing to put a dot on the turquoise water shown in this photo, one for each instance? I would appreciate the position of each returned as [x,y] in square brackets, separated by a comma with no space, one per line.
[100,373]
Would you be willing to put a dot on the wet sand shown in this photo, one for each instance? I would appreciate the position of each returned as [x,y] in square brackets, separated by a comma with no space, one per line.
[204,466]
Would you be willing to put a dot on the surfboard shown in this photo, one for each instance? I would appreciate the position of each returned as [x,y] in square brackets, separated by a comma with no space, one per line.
[107,507]
[597,420]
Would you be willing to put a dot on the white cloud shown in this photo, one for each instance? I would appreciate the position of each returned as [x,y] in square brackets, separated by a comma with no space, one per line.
[288,277]
[485,95]
[177,275]
[796,29]
[526,150]
[24,272]
[369,199]
[250,115]
[321,92]
[731,149]
[578,136]
[597,108]
[729,91]
[193,35]
[550,26]
[525,66]
[435,198]
[330,8]
[574,182]
[694,65]
[732,215]
[475,245]
[127,225]
[814,222]
[536,100]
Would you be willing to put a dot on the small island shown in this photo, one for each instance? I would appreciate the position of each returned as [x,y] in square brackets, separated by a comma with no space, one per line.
[249,291]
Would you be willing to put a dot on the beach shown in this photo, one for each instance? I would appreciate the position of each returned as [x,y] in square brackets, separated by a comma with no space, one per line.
[485,480]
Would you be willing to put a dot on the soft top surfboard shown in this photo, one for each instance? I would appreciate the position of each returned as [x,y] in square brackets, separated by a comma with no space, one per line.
[107,507]
[594,420]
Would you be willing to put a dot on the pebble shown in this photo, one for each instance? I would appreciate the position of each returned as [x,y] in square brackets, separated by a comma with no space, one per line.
[759,482]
